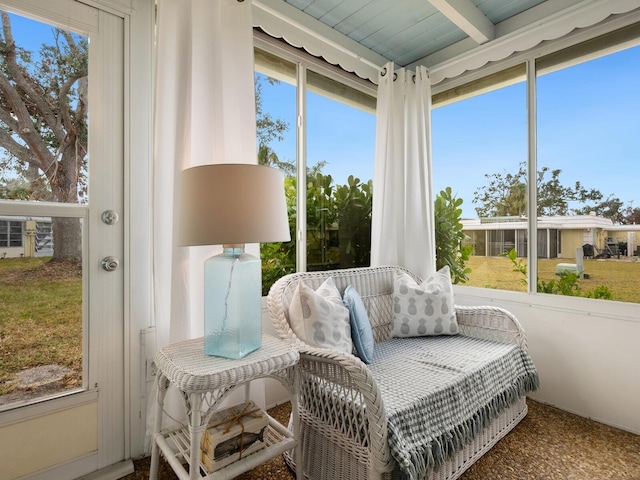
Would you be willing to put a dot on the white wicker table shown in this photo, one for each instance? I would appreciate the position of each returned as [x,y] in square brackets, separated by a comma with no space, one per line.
[204,382]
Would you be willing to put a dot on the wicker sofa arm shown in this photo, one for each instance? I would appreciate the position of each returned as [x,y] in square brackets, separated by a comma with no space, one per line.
[338,395]
[491,323]
[278,318]
[343,399]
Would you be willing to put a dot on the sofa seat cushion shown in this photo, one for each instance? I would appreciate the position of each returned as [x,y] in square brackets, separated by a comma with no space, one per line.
[440,392]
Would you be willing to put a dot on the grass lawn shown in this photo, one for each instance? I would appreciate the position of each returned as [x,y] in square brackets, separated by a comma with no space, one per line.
[40,318]
[621,276]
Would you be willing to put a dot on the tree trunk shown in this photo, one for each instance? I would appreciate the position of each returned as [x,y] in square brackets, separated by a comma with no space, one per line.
[67,232]
[67,238]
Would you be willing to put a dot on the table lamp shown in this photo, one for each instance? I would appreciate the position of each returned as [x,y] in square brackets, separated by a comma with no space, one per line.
[230,205]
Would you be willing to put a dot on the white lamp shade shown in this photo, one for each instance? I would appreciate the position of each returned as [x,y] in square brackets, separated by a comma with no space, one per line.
[232,204]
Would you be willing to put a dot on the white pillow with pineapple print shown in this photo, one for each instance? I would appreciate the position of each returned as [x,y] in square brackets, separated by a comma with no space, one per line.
[319,318]
[425,309]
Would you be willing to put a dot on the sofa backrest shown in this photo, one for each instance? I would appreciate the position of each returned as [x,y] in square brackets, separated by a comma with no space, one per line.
[374,284]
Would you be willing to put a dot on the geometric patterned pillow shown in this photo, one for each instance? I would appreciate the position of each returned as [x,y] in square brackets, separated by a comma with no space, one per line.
[319,318]
[425,309]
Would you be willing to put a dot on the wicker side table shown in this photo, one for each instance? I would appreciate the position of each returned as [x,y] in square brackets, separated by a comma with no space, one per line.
[203,383]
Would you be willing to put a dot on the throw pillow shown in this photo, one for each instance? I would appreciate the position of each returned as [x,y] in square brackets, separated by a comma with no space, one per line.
[425,309]
[361,332]
[319,318]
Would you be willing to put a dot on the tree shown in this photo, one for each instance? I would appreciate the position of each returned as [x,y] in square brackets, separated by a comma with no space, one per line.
[631,215]
[610,207]
[506,195]
[43,126]
[266,156]
[268,128]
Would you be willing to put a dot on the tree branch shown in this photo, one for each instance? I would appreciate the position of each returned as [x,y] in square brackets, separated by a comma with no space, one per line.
[25,128]
[8,120]
[17,150]
[80,74]
[23,84]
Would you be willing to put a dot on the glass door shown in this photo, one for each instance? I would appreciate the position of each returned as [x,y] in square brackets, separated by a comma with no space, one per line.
[61,227]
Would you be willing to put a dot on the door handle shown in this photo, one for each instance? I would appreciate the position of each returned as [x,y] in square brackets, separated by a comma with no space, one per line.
[110,263]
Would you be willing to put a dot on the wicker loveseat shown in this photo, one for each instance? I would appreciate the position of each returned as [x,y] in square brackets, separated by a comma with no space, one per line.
[347,431]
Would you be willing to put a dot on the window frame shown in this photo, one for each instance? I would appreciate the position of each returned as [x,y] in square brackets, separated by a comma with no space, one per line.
[600,40]
[9,238]
[304,63]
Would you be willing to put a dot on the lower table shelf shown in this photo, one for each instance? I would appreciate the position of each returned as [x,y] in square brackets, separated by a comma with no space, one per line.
[175,447]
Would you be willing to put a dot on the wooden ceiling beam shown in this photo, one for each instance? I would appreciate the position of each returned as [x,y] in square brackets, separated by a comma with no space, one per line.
[467,17]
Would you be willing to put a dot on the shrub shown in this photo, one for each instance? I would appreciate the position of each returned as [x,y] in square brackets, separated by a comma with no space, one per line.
[568,283]
[450,237]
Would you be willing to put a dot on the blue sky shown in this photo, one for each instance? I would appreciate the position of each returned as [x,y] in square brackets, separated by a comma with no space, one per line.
[588,126]
[338,134]
[30,34]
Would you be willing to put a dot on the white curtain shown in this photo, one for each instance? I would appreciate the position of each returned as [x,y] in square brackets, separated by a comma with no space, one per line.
[204,113]
[402,225]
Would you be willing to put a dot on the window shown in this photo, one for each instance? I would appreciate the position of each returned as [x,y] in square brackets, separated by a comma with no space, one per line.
[44,239]
[340,157]
[39,296]
[317,125]
[480,151]
[588,113]
[276,128]
[586,153]
[10,234]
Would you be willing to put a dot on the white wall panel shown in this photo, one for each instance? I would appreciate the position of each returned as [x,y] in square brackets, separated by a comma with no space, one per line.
[587,352]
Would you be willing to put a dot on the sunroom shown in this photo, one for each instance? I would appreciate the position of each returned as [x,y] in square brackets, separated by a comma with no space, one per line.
[388,102]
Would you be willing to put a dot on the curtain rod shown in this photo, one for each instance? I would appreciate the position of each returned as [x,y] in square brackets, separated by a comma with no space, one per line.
[395,75]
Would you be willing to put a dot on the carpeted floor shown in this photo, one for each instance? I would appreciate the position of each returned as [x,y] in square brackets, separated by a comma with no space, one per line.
[548,444]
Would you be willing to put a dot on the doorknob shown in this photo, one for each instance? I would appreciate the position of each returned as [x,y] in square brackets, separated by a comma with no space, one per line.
[110,217]
[110,263]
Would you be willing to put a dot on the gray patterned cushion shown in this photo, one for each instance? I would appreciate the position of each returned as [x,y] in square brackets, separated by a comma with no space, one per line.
[425,309]
[319,318]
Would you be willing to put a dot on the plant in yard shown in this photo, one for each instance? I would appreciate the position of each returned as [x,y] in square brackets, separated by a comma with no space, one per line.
[321,216]
[518,265]
[353,204]
[279,258]
[277,261]
[450,237]
[346,210]
[567,284]
[338,227]
[601,291]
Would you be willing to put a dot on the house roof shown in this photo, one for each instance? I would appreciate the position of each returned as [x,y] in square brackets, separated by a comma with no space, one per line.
[561,222]
[447,36]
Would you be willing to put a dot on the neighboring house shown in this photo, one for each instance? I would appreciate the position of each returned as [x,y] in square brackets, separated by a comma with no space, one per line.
[25,237]
[558,237]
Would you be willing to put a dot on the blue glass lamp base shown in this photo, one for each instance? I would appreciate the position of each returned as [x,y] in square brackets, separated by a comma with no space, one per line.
[232,303]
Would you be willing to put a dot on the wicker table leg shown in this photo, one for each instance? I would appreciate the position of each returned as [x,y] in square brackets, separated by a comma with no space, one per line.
[163,385]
